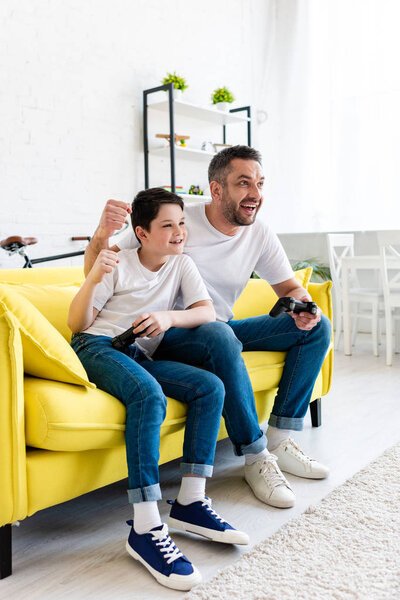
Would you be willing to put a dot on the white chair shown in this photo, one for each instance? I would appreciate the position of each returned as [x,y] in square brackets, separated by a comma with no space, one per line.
[389,248]
[339,246]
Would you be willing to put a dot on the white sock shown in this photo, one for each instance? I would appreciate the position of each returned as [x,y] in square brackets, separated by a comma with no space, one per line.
[252,458]
[275,436]
[145,516]
[192,489]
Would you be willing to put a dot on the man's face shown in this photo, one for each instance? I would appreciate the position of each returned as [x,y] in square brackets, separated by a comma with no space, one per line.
[242,192]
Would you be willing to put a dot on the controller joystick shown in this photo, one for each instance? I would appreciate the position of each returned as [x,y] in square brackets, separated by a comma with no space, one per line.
[289,304]
[125,339]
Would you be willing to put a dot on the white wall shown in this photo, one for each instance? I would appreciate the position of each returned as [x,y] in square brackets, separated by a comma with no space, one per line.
[71,79]
[332,142]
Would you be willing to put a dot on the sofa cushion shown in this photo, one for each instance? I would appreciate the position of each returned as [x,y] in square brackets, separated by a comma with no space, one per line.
[258,297]
[53,301]
[72,418]
[264,368]
[46,353]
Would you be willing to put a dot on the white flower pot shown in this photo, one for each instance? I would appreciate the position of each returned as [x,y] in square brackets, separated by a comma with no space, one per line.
[177,94]
[224,106]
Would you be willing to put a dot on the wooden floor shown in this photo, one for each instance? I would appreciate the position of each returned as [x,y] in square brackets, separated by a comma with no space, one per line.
[76,550]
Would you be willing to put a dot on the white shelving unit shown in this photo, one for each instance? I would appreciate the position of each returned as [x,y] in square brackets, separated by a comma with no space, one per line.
[203,113]
[190,153]
[173,108]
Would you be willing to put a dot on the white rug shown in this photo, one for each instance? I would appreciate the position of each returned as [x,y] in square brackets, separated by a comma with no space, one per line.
[345,548]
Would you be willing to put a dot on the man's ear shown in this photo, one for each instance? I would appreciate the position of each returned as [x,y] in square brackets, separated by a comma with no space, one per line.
[216,190]
[141,233]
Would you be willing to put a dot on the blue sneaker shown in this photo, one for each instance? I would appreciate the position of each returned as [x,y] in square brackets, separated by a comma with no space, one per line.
[158,553]
[200,518]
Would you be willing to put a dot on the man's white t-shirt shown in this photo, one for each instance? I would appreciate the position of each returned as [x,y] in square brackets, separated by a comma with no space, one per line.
[131,289]
[226,262]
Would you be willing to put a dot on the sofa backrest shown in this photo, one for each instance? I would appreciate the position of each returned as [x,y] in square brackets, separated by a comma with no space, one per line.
[51,291]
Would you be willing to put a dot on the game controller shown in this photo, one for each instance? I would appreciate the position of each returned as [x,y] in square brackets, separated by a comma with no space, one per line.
[125,339]
[289,304]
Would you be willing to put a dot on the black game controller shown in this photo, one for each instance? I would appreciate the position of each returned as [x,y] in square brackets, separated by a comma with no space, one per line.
[289,304]
[125,339]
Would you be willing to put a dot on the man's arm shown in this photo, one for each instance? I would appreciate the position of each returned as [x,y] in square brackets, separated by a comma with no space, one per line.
[112,219]
[291,287]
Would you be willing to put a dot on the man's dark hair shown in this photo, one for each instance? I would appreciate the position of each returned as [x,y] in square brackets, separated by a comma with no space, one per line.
[220,164]
[146,206]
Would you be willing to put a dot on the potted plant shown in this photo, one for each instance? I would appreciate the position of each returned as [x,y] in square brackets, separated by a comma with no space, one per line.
[179,83]
[221,98]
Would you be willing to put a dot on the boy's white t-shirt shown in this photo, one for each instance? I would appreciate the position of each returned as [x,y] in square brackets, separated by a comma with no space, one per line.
[226,262]
[131,289]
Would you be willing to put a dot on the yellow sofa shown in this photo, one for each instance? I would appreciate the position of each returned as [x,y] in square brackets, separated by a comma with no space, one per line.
[60,437]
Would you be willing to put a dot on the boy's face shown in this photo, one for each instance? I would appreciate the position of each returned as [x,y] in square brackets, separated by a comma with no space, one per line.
[167,233]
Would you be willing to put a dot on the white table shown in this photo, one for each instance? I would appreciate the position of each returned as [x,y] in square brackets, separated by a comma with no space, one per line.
[356,262]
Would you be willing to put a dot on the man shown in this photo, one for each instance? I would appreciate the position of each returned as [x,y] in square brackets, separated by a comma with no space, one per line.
[228,244]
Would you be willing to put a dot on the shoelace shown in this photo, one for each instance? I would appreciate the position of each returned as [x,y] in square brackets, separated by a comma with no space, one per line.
[207,503]
[296,450]
[270,468]
[170,551]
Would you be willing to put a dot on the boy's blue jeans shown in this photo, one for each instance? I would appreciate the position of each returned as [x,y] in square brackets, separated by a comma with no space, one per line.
[141,385]
[217,347]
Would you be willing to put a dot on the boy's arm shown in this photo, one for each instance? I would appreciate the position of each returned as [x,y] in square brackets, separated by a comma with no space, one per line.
[82,313]
[159,321]
[112,219]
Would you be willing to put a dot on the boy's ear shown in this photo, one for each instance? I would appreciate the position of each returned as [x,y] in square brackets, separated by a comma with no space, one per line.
[141,233]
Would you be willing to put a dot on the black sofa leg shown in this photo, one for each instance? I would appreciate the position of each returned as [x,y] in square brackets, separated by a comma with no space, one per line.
[315,412]
[5,551]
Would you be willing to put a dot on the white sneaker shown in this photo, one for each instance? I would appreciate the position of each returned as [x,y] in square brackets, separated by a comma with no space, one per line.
[268,484]
[292,459]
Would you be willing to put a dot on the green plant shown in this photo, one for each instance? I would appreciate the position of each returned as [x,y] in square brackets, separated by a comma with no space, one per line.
[321,272]
[179,82]
[221,95]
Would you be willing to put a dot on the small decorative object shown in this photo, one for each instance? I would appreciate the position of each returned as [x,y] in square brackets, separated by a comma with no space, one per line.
[195,190]
[178,189]
[222,97]
[208,147]
[178,138]
[179,83]
[218,147]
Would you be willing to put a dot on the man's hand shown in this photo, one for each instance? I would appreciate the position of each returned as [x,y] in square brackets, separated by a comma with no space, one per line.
[305,320]
[154,323]
[112,218]
[106,262]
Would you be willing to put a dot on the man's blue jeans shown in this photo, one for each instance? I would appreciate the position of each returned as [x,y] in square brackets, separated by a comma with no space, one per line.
[217,347]
[141,385]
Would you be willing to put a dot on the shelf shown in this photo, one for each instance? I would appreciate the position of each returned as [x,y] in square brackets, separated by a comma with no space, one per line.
[194,198]
[212,115]
[190,153]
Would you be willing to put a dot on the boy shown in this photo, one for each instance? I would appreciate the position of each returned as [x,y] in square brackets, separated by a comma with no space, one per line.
[139,287]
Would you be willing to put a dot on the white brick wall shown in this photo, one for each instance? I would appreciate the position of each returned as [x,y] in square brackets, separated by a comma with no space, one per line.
[71,79]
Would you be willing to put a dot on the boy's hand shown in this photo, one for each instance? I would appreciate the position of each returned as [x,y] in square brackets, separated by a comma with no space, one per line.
[113,217]
[154,323]
[106,262]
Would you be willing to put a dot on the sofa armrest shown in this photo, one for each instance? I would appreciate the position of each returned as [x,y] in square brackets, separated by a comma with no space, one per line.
[13,497]
[321,294]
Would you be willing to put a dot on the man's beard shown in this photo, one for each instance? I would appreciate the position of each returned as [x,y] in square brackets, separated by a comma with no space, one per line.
[233,215]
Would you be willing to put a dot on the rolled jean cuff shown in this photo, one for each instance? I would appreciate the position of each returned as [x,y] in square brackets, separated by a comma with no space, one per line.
[294,423]
[146,494]
[195,469]
[254,448]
